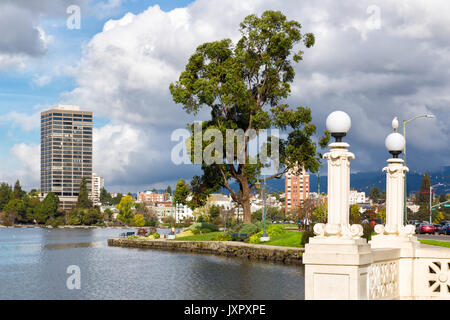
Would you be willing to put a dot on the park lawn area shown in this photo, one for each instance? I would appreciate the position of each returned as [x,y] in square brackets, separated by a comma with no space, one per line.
[436,243]
[286,225]
[288,239]
[210,236]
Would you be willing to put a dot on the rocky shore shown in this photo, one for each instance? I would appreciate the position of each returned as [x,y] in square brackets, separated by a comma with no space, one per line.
[286,255]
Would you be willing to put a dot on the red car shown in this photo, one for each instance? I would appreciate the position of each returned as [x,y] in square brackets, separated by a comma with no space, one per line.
[426,228]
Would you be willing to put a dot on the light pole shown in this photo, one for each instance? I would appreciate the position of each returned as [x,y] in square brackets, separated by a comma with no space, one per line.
[405,122]
[431,196]
[265,237]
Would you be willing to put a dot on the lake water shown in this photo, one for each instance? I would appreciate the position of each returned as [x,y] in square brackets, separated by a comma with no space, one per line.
[34,263]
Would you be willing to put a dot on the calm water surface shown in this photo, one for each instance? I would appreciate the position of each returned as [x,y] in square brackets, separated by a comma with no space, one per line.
[34,261]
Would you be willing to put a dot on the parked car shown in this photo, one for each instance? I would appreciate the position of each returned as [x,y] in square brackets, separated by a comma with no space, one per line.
[437,227]
[426,228]
[445,229]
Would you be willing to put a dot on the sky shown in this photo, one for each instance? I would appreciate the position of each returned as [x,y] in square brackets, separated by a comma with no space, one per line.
[372,59]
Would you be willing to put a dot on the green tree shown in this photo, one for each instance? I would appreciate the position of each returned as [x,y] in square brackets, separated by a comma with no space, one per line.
[423,197]
[48,208]
[6,194]
[354,214]
[214,214]
[320,213]
[83,201]
[18,192]
[139,220]
[150,215]
[169,190]
[15,210]
[181,192]
[375,194]
[126,209]
[92,216]
[272,213]
[105,197]
[117,199]
[244,86]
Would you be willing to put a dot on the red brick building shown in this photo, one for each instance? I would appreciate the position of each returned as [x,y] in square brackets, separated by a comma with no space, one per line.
[148,197]
[296,189]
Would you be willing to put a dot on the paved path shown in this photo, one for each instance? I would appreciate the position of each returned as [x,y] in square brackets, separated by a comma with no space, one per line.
[440,237]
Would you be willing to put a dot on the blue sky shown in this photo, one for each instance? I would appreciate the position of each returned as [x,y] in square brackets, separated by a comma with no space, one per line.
[121,60]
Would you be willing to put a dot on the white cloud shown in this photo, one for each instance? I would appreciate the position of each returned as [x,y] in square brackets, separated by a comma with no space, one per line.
[25,121]
[396,69]
[42,80]
[28,173]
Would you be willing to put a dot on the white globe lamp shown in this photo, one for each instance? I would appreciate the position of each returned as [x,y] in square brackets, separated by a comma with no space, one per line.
[395,143]
[338,123]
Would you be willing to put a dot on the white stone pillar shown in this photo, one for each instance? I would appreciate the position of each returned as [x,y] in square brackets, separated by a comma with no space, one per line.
[394,231]
[338,216]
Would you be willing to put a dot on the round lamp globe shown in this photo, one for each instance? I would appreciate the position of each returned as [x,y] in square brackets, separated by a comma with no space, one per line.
[394,142]
[338,122]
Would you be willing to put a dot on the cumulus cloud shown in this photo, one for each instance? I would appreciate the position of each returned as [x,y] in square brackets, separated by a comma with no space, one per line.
[22,36]
[395,65]
[28,172]
[23,120]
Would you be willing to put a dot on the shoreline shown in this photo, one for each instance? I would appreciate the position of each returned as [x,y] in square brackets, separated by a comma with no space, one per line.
[30,226]
[257,252]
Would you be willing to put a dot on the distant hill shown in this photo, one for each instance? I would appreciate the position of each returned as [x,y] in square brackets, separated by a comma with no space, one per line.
[363,181]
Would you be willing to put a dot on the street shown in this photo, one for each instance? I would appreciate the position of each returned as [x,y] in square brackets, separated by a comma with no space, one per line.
[440,237]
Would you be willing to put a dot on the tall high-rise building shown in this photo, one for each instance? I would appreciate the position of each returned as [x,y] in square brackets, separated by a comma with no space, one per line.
[66,152]
[296,189]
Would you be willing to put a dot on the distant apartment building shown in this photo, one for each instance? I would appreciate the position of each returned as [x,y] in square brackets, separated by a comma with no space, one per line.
[97,184]
[296,189]
[356,197]
[149,197]
[66,152]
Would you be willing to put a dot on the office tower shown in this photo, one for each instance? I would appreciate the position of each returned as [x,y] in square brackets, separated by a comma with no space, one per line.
[97,184]
[66,152]
[296,189]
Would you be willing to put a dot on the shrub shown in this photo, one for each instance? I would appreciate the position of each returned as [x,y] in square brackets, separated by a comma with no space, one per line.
[367,231]
[305,237]
[223,236]
[273,231]
[202,226]
[249,229]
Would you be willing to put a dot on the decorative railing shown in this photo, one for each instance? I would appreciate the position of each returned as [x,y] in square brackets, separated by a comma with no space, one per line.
[432,278]
[383,280]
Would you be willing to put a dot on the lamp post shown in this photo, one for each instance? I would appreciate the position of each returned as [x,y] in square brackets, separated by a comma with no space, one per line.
[395,170]
[394,231]
[172,231]
[405,122]
[431,196]
[338,123]
[265,237]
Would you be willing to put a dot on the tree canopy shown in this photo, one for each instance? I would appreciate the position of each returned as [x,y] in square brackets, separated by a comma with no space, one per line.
[243,85]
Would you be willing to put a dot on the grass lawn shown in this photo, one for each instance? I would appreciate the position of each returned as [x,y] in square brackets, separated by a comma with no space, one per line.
[200,237]
[436,243]
[288,239]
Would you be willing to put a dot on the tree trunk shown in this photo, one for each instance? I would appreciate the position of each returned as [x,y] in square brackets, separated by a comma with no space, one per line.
[246,209]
